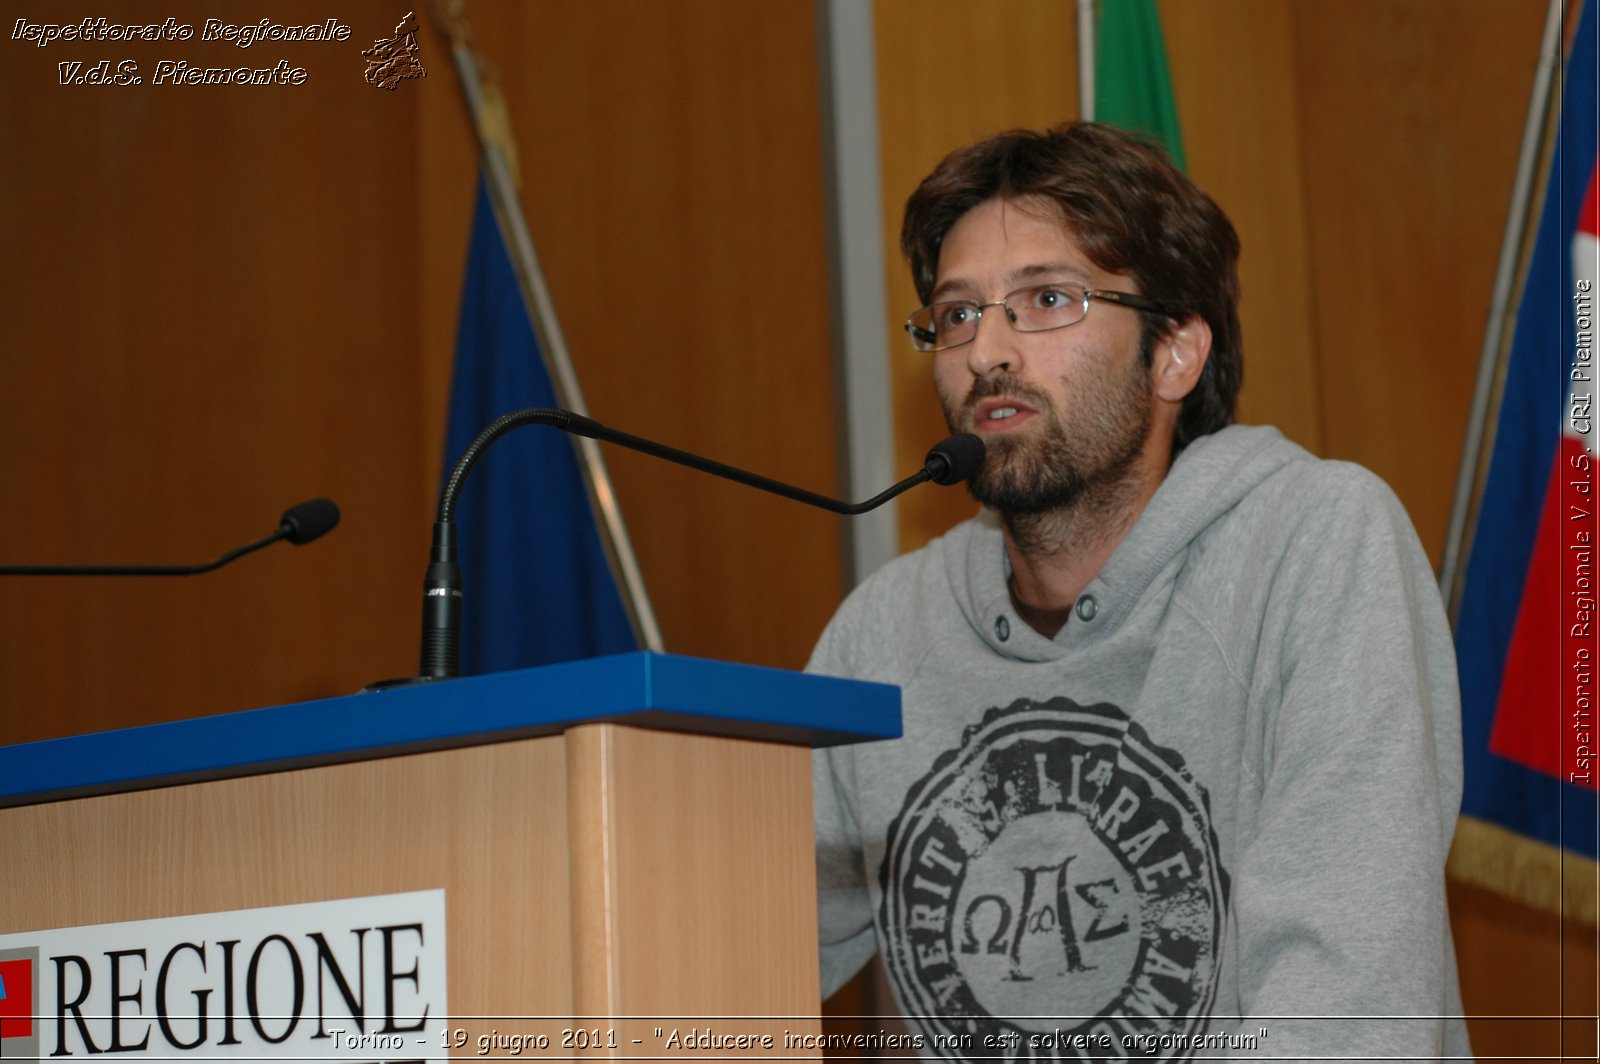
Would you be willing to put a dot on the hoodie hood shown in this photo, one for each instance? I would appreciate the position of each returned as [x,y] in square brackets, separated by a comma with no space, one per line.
[1207,481]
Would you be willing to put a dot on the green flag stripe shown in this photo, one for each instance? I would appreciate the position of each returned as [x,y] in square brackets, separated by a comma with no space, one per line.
[1132,88]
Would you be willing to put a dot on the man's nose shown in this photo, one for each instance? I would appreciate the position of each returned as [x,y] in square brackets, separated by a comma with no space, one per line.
[994,345]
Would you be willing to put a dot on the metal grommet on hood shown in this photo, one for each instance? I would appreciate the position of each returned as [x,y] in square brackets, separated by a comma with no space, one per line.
[1002,628]
[1087,608]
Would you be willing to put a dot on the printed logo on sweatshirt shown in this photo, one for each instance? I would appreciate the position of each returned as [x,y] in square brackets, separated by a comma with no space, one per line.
[1053,880]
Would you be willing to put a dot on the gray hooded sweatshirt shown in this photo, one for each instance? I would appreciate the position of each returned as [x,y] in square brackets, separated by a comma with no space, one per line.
[1209,818]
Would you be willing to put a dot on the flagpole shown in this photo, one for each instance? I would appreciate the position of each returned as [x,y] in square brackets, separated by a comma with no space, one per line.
[1495,338]
[1086,60]
[451,21]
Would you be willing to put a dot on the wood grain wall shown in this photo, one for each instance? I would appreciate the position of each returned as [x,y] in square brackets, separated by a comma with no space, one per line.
[210,314]
[220,301]
[224,300]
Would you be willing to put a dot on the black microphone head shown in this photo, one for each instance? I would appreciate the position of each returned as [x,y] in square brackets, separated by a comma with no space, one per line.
[954,459]
[309,520]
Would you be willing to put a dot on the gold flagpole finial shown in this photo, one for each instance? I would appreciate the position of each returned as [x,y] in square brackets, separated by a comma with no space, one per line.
[490,115]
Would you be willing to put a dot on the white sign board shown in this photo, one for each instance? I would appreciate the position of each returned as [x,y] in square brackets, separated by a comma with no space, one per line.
[360,979]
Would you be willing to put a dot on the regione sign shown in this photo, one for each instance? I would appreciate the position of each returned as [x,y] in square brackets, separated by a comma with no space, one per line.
[359,979]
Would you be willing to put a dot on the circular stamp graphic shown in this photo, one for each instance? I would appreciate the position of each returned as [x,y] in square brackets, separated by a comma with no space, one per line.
[1054,878]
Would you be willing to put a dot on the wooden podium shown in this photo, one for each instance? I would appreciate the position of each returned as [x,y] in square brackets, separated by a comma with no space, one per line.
[620,837]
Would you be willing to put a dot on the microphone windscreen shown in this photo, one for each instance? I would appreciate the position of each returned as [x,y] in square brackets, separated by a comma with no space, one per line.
[309,520]
[954,459]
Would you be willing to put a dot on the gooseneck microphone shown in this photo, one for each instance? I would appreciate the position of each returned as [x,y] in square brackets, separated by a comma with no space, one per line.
[949,462]
[299,525]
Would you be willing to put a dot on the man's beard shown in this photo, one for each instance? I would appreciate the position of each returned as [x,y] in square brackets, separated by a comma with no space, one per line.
[1060,465]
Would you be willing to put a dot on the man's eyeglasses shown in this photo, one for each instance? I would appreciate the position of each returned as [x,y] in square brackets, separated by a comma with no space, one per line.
[1037,309]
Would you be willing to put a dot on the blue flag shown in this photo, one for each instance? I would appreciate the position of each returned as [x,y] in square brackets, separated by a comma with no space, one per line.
[538,587]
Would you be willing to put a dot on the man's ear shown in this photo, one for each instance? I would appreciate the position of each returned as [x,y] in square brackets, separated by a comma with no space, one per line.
[1178,358]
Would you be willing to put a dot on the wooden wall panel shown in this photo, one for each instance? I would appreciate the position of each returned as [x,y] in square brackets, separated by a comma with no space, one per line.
[1233,75]
[224,300]
[1520,969]
[1411,115]
[208,316]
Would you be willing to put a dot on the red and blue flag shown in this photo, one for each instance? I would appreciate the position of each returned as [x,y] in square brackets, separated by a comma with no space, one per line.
[1525,635]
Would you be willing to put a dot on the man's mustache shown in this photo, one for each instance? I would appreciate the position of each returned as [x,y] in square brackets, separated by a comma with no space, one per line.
[1004,384]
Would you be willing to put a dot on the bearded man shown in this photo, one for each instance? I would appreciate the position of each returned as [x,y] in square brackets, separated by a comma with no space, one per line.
[1182,754]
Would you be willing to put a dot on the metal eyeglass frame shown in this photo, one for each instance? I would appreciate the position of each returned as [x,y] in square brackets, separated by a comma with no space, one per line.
[923,339]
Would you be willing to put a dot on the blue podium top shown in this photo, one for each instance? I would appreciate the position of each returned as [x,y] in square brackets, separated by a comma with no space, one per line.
[653,690]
